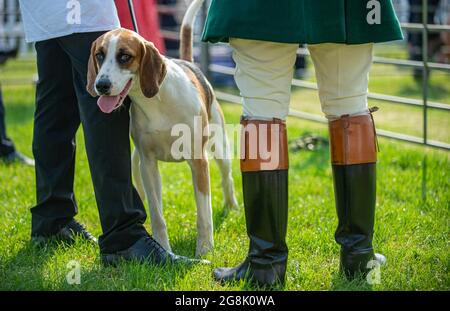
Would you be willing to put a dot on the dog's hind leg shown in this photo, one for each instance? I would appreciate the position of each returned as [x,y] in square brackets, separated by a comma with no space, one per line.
[227,182]
[222,157]
[137,174]
[200,178]
[152,185]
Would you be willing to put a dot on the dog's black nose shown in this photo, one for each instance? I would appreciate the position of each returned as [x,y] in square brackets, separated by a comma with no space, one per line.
[103,86]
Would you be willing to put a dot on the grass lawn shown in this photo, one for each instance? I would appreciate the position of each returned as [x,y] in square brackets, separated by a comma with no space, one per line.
[412,218]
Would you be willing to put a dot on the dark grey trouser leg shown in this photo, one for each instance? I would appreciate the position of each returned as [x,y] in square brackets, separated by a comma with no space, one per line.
[121,211]
[56,121]
[6,145]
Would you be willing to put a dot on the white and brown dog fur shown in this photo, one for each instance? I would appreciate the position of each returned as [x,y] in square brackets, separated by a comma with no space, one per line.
[164,92]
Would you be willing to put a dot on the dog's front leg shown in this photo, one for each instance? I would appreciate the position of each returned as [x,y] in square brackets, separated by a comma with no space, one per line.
[136,169]
[152,185]
[200,177]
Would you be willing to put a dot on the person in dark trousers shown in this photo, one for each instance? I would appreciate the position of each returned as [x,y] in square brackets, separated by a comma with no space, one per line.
[8,152]
[63,44]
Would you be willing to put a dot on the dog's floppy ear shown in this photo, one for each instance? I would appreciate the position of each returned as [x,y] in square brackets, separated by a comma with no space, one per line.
[152,70]
[92,71]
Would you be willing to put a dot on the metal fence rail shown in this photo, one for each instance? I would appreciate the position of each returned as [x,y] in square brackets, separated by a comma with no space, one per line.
[317,118]
[377,96]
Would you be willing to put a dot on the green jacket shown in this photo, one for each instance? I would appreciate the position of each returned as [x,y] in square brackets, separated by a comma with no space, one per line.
[303,21]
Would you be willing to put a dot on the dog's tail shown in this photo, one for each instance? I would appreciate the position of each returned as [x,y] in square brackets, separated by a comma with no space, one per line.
[186,32]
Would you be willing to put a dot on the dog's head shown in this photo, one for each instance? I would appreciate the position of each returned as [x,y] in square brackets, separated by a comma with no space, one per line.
[119,58]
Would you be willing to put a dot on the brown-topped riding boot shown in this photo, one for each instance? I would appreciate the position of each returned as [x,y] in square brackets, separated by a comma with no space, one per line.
[265,190]
[353,147]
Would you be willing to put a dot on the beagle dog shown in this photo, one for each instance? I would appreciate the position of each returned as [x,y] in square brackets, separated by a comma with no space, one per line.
[164,93]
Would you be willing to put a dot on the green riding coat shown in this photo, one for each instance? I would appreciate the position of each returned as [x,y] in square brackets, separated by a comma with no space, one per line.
[303,21]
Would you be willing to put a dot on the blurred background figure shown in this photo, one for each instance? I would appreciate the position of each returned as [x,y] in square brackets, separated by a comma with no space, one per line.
[443,17]
[170,20]
[301,65]
[146,14]
[438,12]
[8,152]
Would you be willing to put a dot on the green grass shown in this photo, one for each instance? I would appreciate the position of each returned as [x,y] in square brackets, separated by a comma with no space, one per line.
[412,218]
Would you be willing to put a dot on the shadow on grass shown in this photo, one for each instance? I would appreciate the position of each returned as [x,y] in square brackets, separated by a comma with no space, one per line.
[341,283]
[219,217]
[128,276]
[31,261]
[185,244]
[34,256]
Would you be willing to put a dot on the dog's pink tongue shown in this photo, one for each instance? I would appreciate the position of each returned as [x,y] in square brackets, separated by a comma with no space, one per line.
[108,103]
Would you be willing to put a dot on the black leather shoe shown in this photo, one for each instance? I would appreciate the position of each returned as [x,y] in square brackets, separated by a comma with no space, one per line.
[68,233]
[147,249]
[17,157]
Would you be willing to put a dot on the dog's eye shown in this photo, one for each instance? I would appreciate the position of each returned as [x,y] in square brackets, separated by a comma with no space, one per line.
[100,57]
[124,58]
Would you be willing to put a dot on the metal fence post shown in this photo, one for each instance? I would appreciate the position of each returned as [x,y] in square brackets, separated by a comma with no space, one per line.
[425,72]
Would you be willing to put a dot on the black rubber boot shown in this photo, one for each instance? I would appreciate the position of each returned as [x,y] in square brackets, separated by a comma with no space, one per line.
[354,156]
[266,210]
[355,193]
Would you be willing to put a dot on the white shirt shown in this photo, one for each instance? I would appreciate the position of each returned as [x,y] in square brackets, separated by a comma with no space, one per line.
[47,19]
